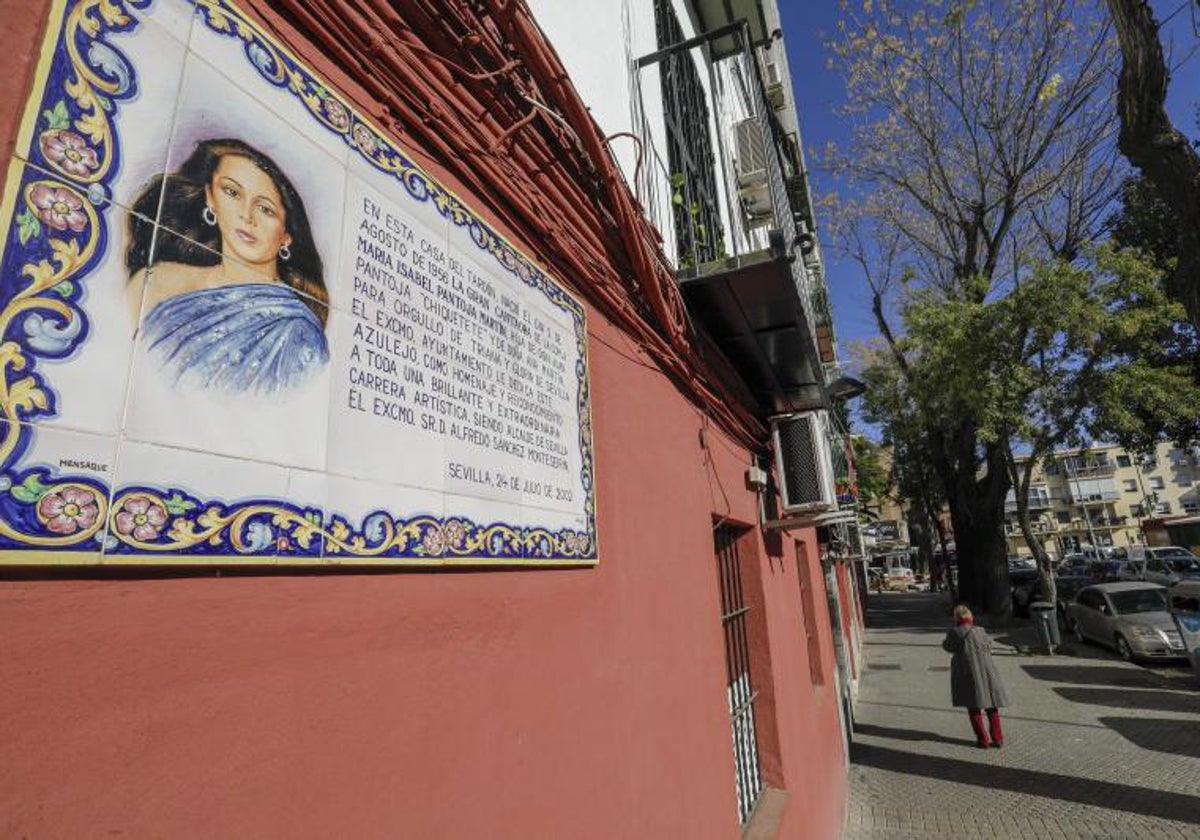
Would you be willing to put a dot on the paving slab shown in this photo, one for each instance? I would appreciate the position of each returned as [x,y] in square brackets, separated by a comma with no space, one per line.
[1094,746]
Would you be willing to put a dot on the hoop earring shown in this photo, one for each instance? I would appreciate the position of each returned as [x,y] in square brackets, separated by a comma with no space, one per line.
[210,218]
[285,253]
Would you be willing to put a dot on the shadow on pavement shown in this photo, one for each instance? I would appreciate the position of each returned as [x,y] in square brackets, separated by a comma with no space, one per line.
[957,712]
[912,612]
[1102,794]
[1095,675]
[1115,698]
[1177,737]
[905,644]
[908,734]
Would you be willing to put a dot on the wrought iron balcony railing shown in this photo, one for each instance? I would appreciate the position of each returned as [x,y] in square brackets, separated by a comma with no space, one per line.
[760,292]
[1092,469]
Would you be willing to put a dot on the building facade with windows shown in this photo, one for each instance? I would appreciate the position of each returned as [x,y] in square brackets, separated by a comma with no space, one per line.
[1102,495]
[416,420]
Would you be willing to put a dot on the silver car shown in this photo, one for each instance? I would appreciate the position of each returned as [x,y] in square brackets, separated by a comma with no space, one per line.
[1166,565]
[1129,617]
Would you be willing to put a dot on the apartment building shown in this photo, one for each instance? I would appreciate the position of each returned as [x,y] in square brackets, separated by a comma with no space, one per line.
[1100,496]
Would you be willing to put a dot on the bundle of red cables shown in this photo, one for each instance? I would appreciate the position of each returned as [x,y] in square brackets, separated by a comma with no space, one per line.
[474,88]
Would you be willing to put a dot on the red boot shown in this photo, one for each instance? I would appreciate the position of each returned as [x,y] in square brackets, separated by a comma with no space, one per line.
[994,725]
[981,736]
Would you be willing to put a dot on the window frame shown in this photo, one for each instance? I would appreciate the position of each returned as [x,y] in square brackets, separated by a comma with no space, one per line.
[741,696]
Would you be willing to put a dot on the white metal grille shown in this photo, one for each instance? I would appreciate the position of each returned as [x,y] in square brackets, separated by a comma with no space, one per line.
[741,695]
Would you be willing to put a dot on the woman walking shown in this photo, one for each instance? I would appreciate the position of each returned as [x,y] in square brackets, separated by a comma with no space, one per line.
[974,682]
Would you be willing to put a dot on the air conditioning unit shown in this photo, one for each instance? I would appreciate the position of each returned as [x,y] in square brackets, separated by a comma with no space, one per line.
[804,463]
[756,203]
[751,150]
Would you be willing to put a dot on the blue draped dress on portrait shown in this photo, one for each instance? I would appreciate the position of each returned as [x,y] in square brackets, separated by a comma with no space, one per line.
[254,337]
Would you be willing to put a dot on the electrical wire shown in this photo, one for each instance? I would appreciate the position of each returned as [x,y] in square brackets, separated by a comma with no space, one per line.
[641,147]
[453,81]
[715,473]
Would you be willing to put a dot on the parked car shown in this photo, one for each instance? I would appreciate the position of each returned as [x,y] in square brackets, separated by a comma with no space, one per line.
[1067,587]
[900,578]
[1161,564]
[1021,562]
[1185,596]
[1024,583]
[1130,617]
[1074,564]
[1185,606]
[1106,570]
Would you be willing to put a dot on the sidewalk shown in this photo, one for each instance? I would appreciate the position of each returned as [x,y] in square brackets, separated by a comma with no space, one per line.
[1095,747]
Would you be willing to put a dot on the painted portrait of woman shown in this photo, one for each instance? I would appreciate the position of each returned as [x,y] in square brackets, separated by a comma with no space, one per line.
[237,300]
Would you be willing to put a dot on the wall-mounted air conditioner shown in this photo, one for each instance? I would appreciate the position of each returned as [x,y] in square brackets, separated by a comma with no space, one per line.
[751,150]
[804,463]
[756,204]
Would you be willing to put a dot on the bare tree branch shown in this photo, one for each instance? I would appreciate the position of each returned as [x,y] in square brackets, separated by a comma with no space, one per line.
[1153,144]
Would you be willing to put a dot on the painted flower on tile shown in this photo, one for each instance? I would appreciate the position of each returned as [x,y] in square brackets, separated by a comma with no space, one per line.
[69,510]
[58,207]
[336,112]
[570,542]
[364,139]
[69,152]
[434,542]
[140,517]
[454,533]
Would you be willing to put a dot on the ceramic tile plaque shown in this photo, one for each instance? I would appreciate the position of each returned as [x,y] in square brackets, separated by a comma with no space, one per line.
[238,324]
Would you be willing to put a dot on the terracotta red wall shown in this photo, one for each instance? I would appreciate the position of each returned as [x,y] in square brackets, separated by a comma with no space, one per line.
[582,703]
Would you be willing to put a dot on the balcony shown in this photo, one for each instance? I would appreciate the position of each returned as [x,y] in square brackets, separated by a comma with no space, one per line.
[1091,469]
[757,288]
[1093,498]
[1036,501]
[1012,529]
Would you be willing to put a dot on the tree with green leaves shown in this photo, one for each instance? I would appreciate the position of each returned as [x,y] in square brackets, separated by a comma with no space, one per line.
[1145,224]
[982,142]
[916,484]
[870,473]
[1071,353]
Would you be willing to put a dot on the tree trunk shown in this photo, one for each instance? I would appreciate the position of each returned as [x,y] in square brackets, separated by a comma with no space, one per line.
[919,534]
[1047,586]
[977,511]
[1154,145]
[940,529]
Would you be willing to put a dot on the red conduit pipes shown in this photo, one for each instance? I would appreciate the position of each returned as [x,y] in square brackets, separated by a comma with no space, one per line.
[454,81]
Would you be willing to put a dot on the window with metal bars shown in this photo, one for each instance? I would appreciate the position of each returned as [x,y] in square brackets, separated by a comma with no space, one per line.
[699,234]
[740,691]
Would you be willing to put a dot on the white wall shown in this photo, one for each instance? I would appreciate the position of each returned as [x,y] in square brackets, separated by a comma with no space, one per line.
[599,44]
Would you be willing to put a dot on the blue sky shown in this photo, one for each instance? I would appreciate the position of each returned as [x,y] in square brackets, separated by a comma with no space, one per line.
[819,92]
